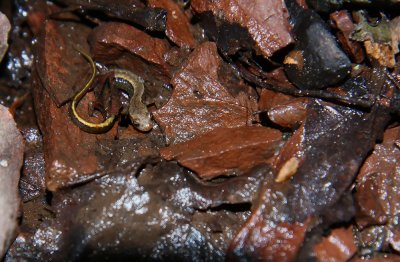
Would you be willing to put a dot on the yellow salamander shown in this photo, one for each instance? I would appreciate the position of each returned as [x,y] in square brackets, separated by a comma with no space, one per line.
[138,112]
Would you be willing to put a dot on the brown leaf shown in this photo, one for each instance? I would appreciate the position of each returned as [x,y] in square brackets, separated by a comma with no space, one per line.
[385,157]
[266,21]
[284,110]
[68,151]
[124,45]
[56,59]
[199,102]
[338,246]
[378,183]
[268,241]
[344,24]
[178,24]
[325,172]
[225,150]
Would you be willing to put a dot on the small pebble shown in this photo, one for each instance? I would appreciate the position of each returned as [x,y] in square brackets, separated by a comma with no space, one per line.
[4,163]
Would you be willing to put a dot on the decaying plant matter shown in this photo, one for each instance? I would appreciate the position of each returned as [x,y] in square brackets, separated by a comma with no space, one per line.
[206,130]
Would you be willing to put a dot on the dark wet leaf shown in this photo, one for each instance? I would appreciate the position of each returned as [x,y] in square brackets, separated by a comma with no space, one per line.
[152,19]
[145,218]
[32,183]
[322,177]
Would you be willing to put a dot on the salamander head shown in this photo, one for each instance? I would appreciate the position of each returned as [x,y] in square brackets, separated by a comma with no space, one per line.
[142,121]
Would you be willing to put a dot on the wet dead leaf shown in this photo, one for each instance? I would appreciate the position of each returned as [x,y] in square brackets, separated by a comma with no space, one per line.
[199,102]
[225,151]
[178,26]
[68,151]
[266,21]
[59,68]
[378,183]
[338,246]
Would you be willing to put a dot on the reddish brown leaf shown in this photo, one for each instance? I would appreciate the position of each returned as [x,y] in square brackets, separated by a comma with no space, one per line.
[343,22]
[283,110]
[266,21]
[68,151]
[131,48]
[378,182]
[199,102]
[178,24]
[385,157]
[58,59]
[338,246]
[269,241]
[225,150]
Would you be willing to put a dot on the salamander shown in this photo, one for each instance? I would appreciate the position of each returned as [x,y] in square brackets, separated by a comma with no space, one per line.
[138,112]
